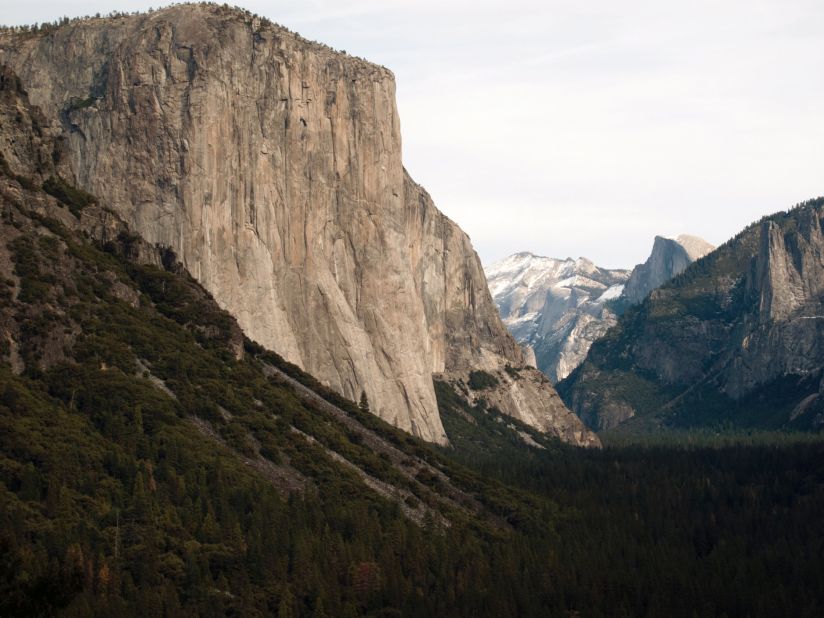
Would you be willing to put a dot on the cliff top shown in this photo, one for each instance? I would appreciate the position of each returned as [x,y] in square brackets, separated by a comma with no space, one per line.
[694,246]
[187,13]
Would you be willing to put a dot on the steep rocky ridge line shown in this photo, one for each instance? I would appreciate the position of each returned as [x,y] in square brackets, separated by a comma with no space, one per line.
[735,339]
[272,167]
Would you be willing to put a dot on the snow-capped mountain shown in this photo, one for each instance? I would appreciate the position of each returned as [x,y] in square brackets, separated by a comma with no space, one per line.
[558,308]
[555,307]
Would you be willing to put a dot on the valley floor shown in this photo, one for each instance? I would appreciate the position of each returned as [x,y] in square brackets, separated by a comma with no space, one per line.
[678,525]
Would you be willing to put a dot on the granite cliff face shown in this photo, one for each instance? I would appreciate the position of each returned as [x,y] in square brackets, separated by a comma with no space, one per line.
[557,308]
[272,167]
[49,232]
[669,257]
[735,339]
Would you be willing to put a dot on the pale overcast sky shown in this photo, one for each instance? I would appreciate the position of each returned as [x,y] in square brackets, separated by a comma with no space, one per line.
[573,128]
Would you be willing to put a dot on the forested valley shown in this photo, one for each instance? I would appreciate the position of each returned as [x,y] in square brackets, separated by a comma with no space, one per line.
[155,462]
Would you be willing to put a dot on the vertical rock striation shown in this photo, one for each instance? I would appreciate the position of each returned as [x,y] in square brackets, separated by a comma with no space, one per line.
[272,166]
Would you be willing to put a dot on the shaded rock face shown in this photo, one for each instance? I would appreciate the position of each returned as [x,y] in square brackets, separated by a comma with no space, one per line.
[465,330]
[787,278]
[669,257]
[736,338]
[557,308]
[272,166]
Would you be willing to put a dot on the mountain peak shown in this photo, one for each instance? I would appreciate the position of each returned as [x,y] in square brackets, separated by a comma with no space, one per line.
[669,257]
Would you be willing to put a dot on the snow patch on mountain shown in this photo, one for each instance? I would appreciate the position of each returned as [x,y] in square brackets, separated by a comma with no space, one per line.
[557,307]
[611,293]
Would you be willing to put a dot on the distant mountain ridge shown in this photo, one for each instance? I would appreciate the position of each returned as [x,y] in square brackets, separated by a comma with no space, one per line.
[558,308]
[555,307]
[736,339]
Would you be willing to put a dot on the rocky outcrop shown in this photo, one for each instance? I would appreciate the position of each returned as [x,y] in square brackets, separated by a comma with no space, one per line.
[272,167]
[787,279]
[557,308]
[669,257]
[735,339]
[526,394]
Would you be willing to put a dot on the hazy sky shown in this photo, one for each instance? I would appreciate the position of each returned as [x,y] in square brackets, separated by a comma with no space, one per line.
[584,128]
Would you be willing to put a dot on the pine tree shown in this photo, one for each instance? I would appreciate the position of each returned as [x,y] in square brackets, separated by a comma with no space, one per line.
[30,487]
[286,607]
